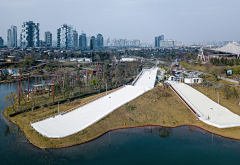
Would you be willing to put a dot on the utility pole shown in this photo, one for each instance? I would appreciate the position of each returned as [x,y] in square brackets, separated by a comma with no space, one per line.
[28,88]
[53,89]
[106,88]
[19,92]
[218,96]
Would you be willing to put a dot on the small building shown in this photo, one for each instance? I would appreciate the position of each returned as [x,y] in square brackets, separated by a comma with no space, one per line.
[38,88]
[193,80]
[89,72]
[174,78]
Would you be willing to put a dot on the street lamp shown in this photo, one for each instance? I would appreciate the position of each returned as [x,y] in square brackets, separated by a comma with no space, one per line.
[211,115]
[211,121]
[106,88]
[218,96]
[109,102]
[58,107]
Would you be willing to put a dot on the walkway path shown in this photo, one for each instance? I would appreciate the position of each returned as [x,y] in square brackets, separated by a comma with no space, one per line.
[208,111]
[227,79]
[70,123]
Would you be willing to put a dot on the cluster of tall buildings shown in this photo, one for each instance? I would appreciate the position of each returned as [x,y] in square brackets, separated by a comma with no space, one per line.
[161,43]
[96,42]
[67,38]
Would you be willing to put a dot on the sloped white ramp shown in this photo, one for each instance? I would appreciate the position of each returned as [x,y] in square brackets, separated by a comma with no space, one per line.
[209,111]
[81,118]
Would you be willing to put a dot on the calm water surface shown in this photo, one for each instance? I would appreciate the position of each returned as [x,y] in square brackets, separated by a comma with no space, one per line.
[148,145]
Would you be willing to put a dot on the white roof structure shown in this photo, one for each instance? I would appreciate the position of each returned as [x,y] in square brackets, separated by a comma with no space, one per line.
[233,48]
[128,59]
[70,123]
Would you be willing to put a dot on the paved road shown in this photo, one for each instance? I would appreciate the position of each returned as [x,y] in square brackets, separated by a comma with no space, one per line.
[81,118]
[219,116]
[227,79]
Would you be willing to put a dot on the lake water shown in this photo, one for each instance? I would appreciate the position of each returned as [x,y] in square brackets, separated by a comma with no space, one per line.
[147,145]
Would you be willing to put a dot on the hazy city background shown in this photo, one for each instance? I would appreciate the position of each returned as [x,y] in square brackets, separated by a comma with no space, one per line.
[188,22]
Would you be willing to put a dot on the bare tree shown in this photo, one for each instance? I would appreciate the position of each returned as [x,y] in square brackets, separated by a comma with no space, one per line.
[235,93]
[227,91]
[34,99]
[208,66]
[10,99]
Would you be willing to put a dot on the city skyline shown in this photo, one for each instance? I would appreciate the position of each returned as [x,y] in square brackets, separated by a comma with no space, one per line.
[185,21]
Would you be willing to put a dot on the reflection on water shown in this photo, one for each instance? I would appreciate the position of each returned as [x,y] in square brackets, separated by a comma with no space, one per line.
[146,145]
[163,132]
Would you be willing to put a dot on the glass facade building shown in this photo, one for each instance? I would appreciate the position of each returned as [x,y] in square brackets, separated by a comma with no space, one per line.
[48,39]
[1,41]
[167,44]
[93,43]
[158,41]
[83,41]
[12,37]
[99,41]
[65,37]
[75,39]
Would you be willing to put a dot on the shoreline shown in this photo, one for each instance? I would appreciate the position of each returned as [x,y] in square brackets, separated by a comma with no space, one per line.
[15,79]
[119,128]
[150,110]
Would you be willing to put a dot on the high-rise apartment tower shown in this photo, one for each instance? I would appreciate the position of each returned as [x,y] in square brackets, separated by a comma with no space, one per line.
[83,41]
[65,37]
[12,37]
[158,39]
[29,36]
[75,39]
[48,39]
[99,41]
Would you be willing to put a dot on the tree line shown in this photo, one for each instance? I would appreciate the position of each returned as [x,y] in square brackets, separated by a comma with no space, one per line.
[224,61]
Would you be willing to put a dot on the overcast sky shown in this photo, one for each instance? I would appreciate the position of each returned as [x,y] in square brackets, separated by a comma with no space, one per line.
[183,20]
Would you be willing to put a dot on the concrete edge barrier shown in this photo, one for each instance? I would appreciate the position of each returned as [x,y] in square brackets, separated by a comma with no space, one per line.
[137,78]
[184,101]
[179,92]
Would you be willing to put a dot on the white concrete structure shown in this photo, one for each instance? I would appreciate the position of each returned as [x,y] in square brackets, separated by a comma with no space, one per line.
[81,118]
[208,111]
[233,48]
[193,80]
[128,59]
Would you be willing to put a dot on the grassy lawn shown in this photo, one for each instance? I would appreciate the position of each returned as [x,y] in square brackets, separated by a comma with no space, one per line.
[156,107]
[231,104]
[210,69]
